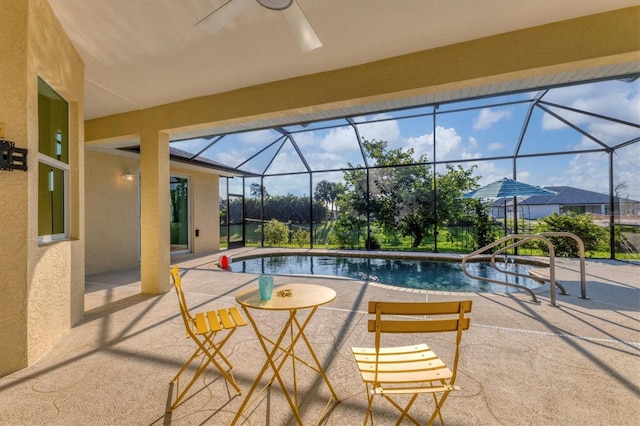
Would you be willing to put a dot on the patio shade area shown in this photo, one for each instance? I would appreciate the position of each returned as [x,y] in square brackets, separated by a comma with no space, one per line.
[119,131]
[521,362]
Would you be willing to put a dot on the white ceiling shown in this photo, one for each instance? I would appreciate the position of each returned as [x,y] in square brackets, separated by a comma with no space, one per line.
[143,53]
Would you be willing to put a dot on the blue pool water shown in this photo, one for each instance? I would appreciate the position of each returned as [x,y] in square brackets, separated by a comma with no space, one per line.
[407,273]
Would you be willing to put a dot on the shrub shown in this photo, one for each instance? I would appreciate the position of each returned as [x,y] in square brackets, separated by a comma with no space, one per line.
[345,232]
[592,235]
[276,233]
[301,237]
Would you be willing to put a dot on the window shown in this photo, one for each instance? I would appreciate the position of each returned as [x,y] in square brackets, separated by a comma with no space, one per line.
[53,164]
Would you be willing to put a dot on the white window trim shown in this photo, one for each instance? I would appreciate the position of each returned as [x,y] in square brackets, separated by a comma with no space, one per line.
[45,159]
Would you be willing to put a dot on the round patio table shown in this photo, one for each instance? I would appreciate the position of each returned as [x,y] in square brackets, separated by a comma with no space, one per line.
[293,298]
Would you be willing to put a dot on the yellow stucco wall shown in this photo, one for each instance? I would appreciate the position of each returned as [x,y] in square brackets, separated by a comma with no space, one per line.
[113,205]
[112,209]
[41,286]
[13,195]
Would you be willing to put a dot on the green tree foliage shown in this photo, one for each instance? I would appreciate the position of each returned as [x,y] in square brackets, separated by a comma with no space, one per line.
[482,229]
[256,190]
[327,192]
[276,233]
[592,235]
[346,231]
[401,192]
[288,208]
[301,237]
[222,207]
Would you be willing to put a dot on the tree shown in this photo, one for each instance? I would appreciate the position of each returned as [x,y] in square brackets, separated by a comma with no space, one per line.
[327,192]
[620,188]
[256,190]
[482,230]
[346,231]
[401,192]
[288,208]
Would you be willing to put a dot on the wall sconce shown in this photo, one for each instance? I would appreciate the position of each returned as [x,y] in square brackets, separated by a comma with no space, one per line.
[127,176]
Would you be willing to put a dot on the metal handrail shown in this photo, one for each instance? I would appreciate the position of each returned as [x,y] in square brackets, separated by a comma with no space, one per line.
[508,238]
[523,239]
[514,245]
[583,280]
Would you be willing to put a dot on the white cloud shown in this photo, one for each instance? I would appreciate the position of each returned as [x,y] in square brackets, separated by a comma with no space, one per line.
[549,122]
[383,130]
[473,142]
[258,137]
[495,146]
[490,172]
[192,145]
[340,140]
[289,184]
[488,117]
[587,171]
[449,145]
[230,158]
[421,145]
[610,99]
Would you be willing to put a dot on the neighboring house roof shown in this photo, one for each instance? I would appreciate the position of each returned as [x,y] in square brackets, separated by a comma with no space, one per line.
[187,157]
[567,195]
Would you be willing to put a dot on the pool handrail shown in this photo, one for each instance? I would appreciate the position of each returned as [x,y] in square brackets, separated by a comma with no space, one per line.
[523,239]
[583,280]
[508,238]
[514,245]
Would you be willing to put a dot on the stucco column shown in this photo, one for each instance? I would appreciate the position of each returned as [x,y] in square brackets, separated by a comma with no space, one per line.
[14,203]
[154,212]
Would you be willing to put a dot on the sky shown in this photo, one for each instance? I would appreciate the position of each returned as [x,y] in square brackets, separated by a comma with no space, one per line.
[478,134]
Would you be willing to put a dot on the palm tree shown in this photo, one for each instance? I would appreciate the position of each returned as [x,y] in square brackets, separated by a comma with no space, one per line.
[327,193]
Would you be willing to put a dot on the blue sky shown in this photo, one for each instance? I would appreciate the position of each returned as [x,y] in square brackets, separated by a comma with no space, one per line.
[476,135]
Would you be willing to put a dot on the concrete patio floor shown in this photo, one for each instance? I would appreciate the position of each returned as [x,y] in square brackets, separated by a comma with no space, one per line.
[522,363]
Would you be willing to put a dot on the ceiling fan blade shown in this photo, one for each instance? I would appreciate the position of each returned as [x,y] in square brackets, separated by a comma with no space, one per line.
[301,27]
[223,15]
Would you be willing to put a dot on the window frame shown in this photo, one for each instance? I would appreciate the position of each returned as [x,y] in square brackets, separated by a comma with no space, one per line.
[65,168]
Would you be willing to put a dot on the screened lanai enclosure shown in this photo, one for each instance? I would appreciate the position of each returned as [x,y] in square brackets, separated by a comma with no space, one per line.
[394,179]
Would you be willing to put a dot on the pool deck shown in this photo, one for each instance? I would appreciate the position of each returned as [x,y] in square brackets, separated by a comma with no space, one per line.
[521,363]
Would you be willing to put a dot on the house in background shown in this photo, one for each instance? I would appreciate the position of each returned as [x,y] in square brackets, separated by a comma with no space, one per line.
[566,199]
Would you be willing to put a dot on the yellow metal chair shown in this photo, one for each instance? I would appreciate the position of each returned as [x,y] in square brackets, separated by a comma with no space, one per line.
[202,328]
[413,369]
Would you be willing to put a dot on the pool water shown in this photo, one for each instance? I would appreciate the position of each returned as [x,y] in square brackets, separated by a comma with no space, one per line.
[407,273]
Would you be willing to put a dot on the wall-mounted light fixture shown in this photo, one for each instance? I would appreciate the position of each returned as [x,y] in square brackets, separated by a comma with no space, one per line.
[127,176]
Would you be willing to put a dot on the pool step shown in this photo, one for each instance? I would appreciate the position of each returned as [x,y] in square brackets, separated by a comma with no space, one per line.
[540,274]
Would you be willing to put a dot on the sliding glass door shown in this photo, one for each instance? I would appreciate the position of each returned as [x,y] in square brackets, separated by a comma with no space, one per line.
[180,226]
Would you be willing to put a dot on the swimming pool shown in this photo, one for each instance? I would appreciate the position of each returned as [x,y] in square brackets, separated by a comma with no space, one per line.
[407,273]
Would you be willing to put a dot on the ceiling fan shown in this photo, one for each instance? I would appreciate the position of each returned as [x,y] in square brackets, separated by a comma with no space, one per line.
[300,25]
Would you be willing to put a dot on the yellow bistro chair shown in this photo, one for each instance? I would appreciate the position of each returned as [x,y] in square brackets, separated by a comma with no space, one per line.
[202,328]
[413,369]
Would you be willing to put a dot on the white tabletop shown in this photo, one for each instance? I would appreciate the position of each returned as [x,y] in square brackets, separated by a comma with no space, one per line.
[302,296]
